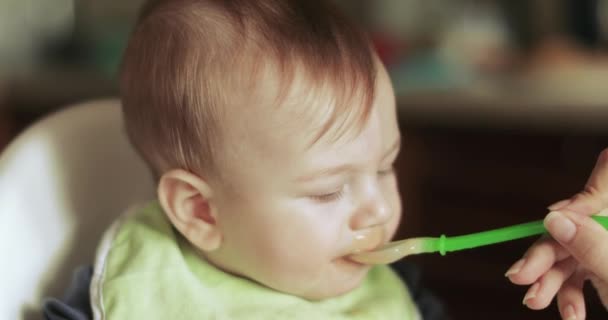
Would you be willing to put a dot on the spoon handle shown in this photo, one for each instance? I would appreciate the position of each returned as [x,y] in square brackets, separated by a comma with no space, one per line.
[447,244]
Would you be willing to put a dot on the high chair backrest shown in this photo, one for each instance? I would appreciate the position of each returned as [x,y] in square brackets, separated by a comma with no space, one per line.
[62,182]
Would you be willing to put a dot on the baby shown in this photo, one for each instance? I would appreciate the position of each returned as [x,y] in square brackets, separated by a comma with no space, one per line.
[271,127]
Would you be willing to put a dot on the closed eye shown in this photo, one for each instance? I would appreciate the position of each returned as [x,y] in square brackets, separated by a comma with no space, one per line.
[328,197]
[386,172]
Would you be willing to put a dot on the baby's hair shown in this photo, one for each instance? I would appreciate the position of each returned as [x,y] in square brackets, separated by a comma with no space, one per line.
[185,57]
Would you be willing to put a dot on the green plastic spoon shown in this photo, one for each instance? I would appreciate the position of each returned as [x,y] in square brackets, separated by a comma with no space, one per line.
[394,251]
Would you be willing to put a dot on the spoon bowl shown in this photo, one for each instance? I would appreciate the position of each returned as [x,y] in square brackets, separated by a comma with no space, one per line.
[394,251]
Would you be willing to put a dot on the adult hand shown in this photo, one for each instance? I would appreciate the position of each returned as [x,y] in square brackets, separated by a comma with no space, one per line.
[576,251]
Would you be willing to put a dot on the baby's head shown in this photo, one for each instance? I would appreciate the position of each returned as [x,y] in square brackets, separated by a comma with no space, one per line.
[272,128]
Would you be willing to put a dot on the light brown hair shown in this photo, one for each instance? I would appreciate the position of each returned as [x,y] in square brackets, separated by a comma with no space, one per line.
[185,56]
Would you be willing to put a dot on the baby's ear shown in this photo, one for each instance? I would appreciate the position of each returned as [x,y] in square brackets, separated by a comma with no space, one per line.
[187,202]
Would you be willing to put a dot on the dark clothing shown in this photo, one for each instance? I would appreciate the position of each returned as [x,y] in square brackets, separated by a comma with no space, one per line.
[76,305]
[428,304]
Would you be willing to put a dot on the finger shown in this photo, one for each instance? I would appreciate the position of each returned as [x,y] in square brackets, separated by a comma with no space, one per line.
[599,175]
[570,298]
[541,256]
[560,204]
[594,197]
[540,295]
[584,238]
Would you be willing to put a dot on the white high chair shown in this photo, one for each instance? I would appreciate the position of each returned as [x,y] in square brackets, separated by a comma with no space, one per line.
[62,182]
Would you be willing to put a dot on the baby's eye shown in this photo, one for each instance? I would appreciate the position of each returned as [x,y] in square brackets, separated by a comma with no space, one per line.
[328,197]
[388,171]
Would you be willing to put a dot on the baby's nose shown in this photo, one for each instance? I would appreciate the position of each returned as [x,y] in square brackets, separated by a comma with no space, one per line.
[380,209]
[375,211]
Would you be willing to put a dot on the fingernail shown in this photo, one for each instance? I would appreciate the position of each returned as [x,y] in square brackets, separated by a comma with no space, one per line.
[558,205]
[531,294]
[561,228]
[569,313]
[515,268]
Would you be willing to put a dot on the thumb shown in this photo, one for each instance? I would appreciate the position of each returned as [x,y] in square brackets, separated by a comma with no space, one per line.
[584,238]
[594,197]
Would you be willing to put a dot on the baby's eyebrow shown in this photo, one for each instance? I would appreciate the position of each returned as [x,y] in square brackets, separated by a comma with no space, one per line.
[346,167]
[327,172]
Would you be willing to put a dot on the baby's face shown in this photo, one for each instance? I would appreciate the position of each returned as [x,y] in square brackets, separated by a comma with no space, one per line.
[289,212]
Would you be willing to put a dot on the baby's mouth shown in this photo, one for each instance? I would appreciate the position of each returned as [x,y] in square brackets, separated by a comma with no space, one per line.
[367,239]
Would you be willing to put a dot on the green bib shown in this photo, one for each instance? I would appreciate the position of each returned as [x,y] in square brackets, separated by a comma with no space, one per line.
[144,270]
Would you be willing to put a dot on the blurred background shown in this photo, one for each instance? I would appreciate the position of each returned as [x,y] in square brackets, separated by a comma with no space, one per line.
[503,106]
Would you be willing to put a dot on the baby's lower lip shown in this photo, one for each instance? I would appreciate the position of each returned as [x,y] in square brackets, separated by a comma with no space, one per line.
[347,259]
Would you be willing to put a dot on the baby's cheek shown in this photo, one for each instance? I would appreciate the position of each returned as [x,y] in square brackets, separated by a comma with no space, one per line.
[294,268]
[396,207]
[293,252]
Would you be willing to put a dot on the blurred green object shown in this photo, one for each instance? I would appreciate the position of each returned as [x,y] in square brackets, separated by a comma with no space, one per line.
[107,52]
[425,71]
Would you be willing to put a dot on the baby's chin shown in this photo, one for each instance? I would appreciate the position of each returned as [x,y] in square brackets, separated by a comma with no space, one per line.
[341,276]
[349,275]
